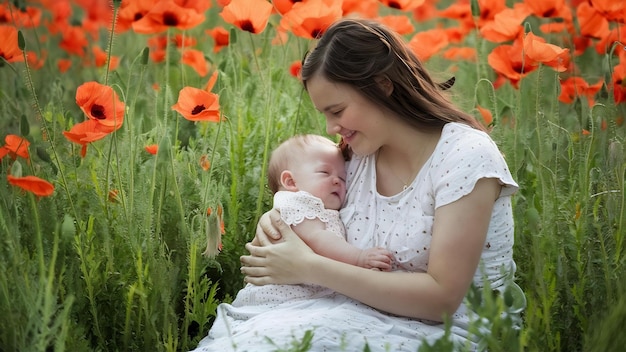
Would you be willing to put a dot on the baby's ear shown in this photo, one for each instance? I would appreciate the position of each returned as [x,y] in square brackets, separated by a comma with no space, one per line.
[287,181]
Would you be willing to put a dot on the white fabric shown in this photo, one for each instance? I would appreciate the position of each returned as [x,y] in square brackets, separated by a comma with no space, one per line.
[402,223]
[294,208]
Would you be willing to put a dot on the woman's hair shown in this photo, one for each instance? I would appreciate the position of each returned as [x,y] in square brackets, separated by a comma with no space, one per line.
[292,150]
[367,55]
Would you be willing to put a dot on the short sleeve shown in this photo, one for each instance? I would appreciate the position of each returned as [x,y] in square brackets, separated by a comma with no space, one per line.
[294,207]
[467,156]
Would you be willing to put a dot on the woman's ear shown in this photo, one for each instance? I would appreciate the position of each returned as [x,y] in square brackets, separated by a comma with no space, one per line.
[287,181]
[385,85]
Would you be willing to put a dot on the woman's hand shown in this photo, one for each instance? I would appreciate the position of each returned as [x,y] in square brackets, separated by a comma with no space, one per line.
[266,232]
[284,262]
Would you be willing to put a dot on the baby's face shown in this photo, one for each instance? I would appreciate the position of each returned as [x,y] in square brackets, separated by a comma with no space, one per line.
[322,172]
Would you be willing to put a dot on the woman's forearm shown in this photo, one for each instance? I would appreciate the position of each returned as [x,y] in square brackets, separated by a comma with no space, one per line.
[415,295]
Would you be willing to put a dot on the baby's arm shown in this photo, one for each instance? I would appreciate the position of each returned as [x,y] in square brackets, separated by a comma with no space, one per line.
[313,232]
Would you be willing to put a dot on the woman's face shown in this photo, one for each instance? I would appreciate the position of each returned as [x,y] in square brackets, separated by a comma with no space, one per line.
[360,122]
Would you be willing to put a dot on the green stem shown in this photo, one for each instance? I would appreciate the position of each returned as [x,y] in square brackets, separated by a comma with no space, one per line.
[46,130]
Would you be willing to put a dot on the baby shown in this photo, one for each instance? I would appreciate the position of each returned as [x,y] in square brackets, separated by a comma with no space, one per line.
[308,178]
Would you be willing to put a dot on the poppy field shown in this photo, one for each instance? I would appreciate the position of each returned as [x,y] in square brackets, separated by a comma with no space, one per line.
[134,139]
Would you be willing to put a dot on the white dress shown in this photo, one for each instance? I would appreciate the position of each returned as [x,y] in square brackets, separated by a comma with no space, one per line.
[403,224]
[294,208]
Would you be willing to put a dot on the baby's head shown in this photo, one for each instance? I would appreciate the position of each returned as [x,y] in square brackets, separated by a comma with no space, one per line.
[309,163]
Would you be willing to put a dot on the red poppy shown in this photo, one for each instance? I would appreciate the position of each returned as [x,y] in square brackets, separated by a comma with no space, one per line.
[464,53]
[100,58]
[248,15]
[404,5]
[549,8]
[220,37]
[364,8]
[311,18]
[581,44]
[426,12]
[195,59]
[29,17]
[8,46]
[460,11]
[74,40]
[295,68]
[152,148]
[61,12]
[428,43]
[591,22]
[14,146]
[184,41]
[284,6]
[556,27]
[35,62]
[131,11]
[619,82]
[573,87]
[400,24]
[86,132]
[97,14]
[509,63]
[165,14]
[606,44]
[612,10]
[506,25]
[537,50]
[157,45]
[32,184]
[64,65]
[199,5]
[198,105]
[101,104]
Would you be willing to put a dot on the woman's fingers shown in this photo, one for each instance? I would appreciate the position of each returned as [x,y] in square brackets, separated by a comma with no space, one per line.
[266,233]
[255,251]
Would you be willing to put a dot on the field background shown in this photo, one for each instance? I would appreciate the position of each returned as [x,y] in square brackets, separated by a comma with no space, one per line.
[113,259]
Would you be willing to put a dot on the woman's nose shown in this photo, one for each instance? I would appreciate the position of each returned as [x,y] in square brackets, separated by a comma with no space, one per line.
[332,128]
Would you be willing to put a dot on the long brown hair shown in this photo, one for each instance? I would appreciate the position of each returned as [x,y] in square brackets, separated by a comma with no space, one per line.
[362,53]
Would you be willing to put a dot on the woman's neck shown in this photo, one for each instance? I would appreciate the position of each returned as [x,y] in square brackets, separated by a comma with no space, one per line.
[399,161]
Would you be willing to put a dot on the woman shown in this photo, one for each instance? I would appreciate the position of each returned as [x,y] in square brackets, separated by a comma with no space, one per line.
[424,181]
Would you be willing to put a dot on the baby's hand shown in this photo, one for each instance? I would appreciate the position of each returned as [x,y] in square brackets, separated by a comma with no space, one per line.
[376,258]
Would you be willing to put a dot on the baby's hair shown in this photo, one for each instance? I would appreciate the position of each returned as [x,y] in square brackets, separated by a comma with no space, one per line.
[289,151]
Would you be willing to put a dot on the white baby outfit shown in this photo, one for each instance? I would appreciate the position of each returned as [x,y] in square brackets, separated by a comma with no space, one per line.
[295,207]
[403,224]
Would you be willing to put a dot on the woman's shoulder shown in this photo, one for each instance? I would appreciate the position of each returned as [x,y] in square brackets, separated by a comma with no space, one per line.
[457,132]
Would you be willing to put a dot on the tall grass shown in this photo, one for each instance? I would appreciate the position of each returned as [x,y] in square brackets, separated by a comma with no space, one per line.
[113,260]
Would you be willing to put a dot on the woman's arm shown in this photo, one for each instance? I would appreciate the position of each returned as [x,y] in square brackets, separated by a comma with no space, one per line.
[459,233]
